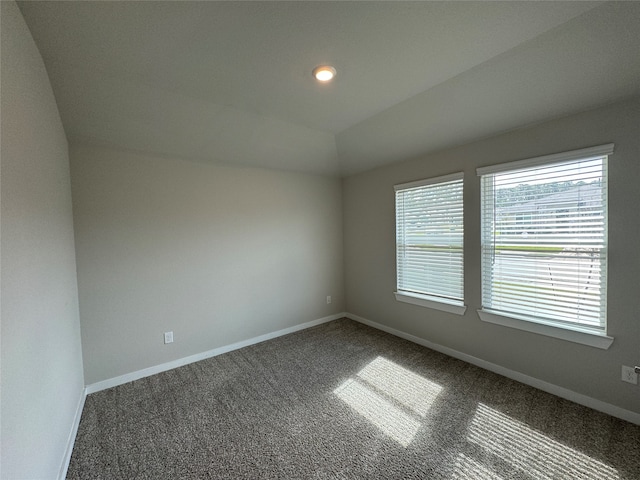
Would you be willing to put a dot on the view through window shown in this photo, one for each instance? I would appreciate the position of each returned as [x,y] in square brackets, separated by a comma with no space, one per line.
[544,239]
[429,240]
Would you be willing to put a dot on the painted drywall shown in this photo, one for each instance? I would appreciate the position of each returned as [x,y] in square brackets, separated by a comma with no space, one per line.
[215,254]
[512,89]
[369,226]
[42,379]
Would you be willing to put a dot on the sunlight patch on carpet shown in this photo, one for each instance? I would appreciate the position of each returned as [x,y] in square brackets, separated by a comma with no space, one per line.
[468,469]
[379,411]
[408,388]
[375,389]
[530,451]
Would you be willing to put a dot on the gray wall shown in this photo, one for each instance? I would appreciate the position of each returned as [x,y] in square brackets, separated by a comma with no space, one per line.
[41,355]
[215,254]
[369,227]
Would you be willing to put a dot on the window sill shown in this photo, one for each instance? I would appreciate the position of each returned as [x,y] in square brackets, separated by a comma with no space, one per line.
[431,302]
[583,337]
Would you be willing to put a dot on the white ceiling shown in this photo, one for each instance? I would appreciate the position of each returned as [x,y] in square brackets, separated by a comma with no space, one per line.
[230,82]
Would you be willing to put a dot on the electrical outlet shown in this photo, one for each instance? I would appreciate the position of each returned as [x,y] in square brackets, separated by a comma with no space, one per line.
[328,299]
[168,337]
[629,375]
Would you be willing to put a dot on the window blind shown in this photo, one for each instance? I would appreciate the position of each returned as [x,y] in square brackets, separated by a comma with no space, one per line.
[544,240]
[429,238]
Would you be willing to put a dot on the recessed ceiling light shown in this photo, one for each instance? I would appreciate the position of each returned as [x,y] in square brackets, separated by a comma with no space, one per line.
[324,73]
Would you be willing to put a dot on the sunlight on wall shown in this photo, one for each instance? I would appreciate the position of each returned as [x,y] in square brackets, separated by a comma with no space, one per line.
[531,452]
[377,386]
[468,469]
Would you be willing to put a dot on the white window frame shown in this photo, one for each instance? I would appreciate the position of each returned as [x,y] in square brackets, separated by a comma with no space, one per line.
[425,298]
[570,332]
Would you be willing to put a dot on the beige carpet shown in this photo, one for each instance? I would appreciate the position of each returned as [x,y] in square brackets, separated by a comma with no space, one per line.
[343,400]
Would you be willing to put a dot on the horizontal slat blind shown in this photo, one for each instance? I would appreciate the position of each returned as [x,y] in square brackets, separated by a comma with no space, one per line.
[429,238]
[544,243]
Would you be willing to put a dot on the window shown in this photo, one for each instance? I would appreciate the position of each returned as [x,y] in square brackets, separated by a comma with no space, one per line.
[429,243]
[544,245]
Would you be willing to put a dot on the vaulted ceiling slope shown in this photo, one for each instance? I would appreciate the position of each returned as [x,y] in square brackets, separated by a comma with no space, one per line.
[230,82]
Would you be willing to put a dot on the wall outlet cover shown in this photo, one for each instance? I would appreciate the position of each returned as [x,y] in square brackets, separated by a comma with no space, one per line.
[629,375]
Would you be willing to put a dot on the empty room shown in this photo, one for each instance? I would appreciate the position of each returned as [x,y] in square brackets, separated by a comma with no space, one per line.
[320,240]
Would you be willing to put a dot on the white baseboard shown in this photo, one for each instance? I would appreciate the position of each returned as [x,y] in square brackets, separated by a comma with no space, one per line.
[62,474]
[130,377]
[562,392]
